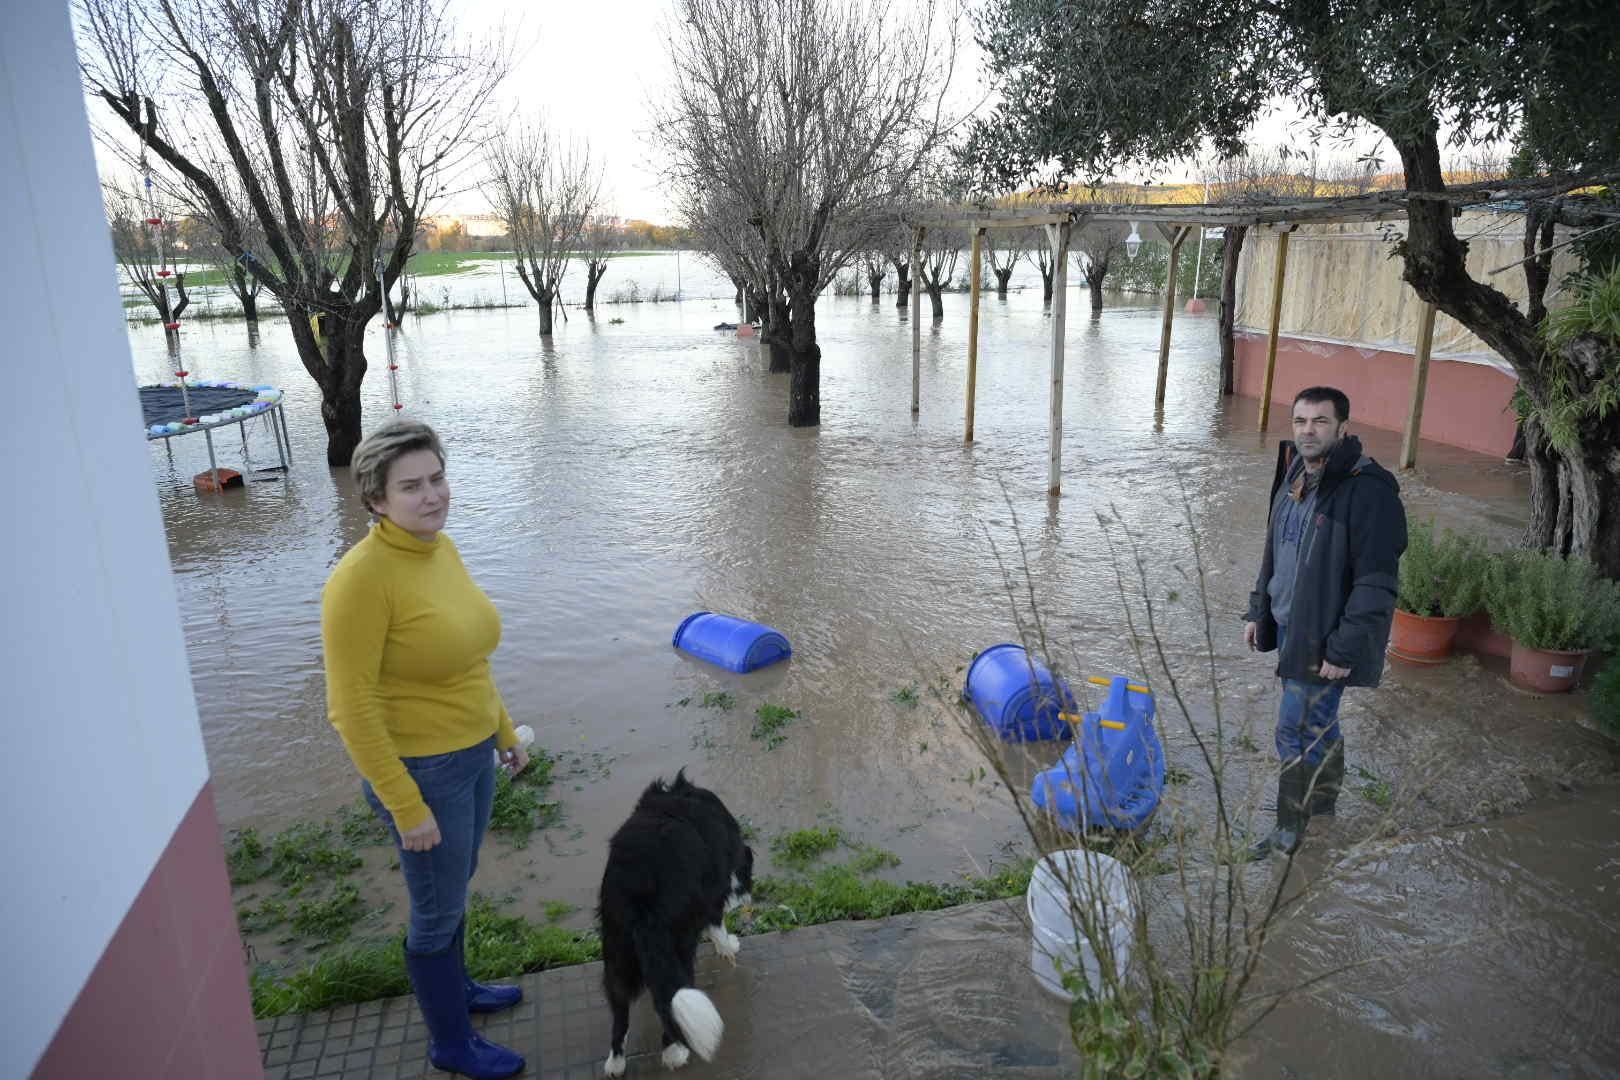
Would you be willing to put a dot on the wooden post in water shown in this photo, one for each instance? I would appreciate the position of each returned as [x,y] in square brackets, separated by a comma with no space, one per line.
[1276,321]
[973,328]
[1176,235]
[916,319]
[1058,237]
[1420,386]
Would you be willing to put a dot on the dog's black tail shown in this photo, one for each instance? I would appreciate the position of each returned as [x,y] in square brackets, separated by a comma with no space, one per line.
[684,1008]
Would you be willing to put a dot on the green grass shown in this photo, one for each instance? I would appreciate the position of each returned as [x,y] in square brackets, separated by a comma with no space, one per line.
[802,847]
[870,859]
[519,810]
[268,915]
[719,700]
[329,920]
[1175,774]
[296,856]
[1376,790]
[835,893]
[361,827]
[499,945]
[769,720]
[906,695]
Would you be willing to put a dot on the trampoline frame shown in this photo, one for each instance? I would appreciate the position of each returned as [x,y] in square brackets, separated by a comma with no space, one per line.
[275,414]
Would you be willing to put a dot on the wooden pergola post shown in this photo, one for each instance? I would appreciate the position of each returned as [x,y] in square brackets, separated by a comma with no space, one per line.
[916,319]
[1058,237]
[973,328]
[1176,234]
[1420,386]
[1276,321]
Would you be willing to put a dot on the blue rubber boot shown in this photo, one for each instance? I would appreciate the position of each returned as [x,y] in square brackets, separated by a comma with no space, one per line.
[481,998]
[439,980]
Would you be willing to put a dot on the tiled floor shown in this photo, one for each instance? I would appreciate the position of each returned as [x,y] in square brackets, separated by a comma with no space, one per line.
[946,994]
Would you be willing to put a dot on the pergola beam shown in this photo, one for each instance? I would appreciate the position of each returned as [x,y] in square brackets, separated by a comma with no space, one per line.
[1176,235]
[916,319]
[1058,237]
[974,270]
[1276,322]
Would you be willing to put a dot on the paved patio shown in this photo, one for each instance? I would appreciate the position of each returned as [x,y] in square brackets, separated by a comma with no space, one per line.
[943,994]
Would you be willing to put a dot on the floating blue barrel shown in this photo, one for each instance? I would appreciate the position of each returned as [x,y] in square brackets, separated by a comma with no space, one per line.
[1017,695]
[1113,775]
[734,644]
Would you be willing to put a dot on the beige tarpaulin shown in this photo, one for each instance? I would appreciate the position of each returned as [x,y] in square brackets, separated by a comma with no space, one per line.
[1344,284]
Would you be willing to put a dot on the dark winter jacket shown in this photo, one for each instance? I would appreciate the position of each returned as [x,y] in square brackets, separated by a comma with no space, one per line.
[1344,593]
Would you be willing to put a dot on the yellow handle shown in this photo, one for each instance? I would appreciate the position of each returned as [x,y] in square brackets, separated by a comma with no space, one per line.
[1075,718]
[1098,680]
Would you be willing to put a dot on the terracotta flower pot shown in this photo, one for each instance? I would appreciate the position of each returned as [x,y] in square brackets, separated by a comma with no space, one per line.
[1419,639]
[1545,671]
[1478,634]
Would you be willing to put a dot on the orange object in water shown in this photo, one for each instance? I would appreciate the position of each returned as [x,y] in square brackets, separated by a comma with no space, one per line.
[204,481]
[746,330]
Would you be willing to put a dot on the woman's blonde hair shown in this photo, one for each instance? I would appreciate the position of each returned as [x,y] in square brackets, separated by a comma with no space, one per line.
[378,451]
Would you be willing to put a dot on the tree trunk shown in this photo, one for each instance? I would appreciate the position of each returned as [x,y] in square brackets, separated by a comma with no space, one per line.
[247,292]
[1233,248]
[594,271]
[804,383]
[874,278]
[337,361]
[1095,284]
[778,335]
[902,284]
[1001,280]
[934,289]
[1574,496]
[1046,284]
[545,300]
[253,334]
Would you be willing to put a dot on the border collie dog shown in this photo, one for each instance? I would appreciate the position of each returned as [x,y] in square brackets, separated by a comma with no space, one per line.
[673,870]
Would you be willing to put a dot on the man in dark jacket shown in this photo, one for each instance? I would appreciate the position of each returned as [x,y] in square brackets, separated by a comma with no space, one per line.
[1324,599]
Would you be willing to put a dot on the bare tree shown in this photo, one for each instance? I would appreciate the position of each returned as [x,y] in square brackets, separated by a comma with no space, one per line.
[340,118]
[144,243]
[597,242]
[1099,244]
[1002,250]
[545,193]
[721,228]
[1039,254]
[872,265]
[941,248]
[811,115]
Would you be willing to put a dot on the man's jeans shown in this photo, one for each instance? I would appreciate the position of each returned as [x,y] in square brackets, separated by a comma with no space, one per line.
[459,787]
[1308,718]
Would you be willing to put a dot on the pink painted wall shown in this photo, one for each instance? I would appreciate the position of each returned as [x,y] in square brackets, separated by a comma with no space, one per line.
[1466,405]
[169,996]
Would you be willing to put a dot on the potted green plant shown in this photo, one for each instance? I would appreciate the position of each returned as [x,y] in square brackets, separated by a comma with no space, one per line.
[1441,579]
[1557,611]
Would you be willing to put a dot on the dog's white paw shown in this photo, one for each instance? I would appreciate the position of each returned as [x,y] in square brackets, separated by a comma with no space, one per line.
[614,1065]
[676,1055]
[725,943]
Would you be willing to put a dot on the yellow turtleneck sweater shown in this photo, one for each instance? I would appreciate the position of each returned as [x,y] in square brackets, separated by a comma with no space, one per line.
[407,636]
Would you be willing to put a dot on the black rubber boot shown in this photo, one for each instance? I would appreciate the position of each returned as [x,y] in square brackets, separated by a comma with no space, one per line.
[1291,816]
[1329,778]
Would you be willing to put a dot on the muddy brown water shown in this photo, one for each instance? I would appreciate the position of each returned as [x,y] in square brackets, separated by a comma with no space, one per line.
[611,482]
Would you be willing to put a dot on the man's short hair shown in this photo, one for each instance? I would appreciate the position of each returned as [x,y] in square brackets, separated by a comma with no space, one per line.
[1315,395]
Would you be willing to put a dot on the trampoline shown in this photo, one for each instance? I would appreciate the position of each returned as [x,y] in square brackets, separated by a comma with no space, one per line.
[172,410]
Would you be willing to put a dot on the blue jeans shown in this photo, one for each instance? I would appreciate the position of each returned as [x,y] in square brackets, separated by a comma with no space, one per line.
[1308,718]
[459,787]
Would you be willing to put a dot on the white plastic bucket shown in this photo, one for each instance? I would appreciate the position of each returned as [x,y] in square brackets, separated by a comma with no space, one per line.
[1100,885]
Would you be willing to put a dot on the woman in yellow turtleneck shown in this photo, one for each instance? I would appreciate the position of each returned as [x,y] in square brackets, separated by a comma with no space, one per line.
[407,638]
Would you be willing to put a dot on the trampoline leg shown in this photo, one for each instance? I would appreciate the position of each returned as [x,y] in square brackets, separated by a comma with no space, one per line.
[281,411]
[275,433]
[243,426]
[213,466]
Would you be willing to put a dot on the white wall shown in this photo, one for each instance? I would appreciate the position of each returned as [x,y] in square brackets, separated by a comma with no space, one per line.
[102,754]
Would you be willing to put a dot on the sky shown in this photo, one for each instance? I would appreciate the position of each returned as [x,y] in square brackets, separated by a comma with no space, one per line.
[593,65]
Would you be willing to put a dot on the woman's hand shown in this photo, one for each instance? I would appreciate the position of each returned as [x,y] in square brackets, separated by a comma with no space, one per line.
[424,837]
[514,760]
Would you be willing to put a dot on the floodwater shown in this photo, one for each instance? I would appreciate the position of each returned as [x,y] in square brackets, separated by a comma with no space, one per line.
[614,480]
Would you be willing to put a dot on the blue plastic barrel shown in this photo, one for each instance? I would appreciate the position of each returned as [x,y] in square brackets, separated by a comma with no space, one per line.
[732,643]
[1017,695]
[1113,776]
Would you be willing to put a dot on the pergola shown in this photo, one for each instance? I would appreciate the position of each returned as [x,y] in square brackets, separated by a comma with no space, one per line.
[1175,223]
